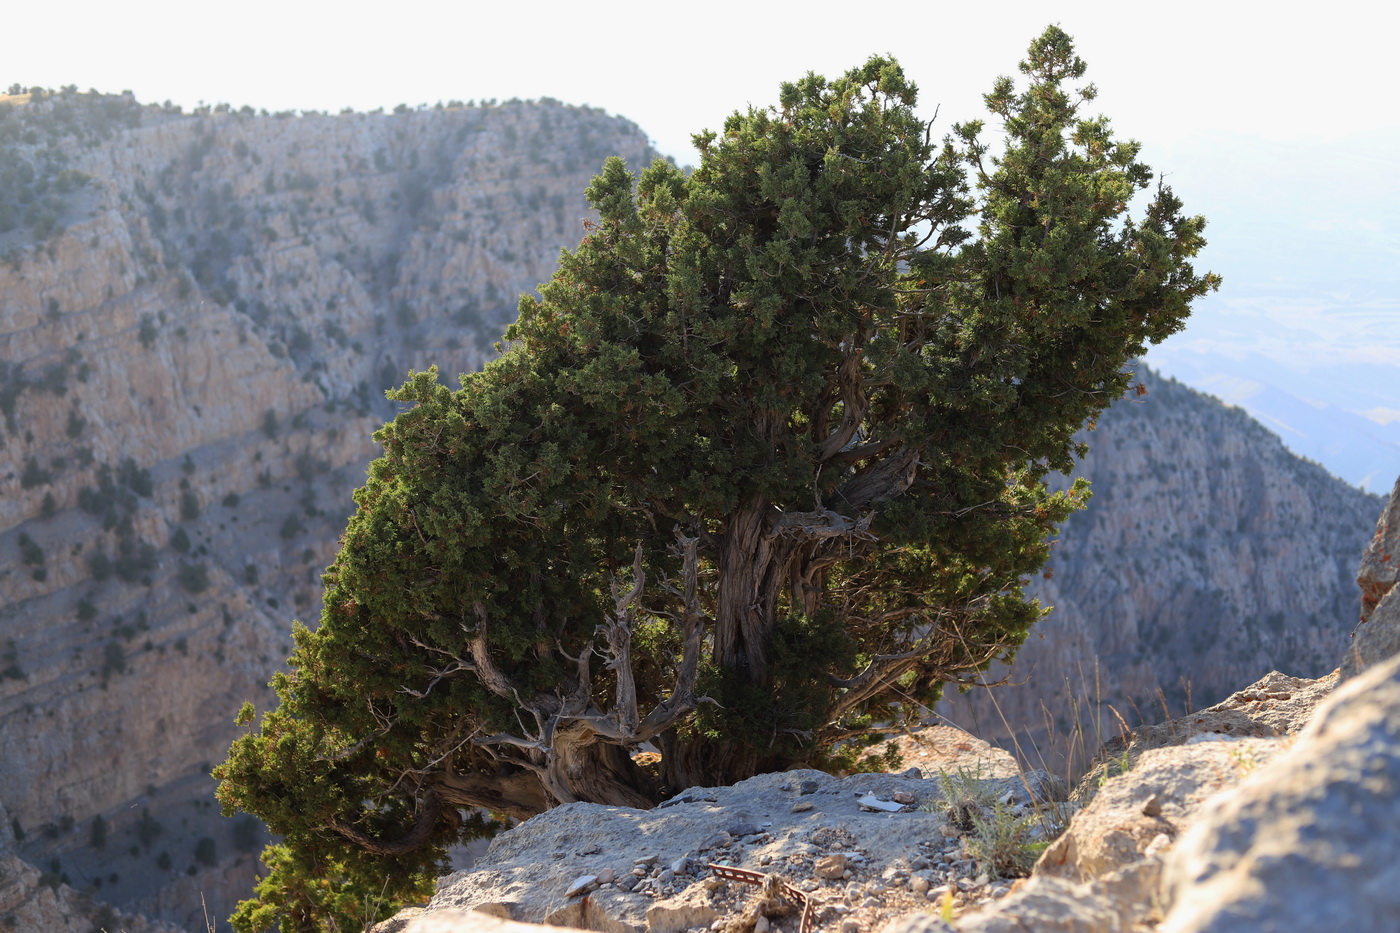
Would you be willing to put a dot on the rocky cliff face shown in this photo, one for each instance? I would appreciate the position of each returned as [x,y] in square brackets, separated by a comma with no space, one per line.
[195,340]
[1208,556]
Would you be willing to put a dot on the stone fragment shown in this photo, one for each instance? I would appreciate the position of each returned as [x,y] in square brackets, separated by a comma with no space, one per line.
[871,802]
[802,806]
[1312,841]
[830,867]
[807,787]
[719,840]
[579,885]
[607,876]
[903,797]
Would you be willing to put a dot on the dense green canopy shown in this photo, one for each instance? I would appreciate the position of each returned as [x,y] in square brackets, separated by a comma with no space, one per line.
[760,471]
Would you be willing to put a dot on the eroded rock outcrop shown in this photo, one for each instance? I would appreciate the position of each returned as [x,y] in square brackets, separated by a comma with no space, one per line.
[1377,635]
[1311,842]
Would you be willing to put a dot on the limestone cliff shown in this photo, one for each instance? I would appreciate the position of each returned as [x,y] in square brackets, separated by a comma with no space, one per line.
[1208,556]
[199,315]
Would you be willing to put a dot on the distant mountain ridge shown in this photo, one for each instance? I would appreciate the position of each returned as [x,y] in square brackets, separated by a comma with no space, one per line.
[1208,556]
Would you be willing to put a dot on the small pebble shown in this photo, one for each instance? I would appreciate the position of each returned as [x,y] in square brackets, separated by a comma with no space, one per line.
[765,859]
[918,885]
[680,866]
[807,787]
[850,925]
[903,797]
[802,806]
[830,867]
[761,925]
[1152,806]
[607,876]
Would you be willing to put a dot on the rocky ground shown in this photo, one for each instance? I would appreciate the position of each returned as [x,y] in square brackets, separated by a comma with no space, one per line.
[1275,809]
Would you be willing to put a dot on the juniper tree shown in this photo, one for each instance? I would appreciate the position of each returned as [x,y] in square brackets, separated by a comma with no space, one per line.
[759,473]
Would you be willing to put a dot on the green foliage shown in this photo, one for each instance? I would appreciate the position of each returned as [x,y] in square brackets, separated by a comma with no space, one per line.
[34,474]
[149,829]
[760,471]
[189,506]
[205,851]
[10,658]
[113,659]
[304,893]
[99,565]
[29,551]
[194,578]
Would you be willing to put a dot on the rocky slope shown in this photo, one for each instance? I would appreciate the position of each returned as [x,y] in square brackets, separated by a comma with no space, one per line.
[195,340]
[1208,556]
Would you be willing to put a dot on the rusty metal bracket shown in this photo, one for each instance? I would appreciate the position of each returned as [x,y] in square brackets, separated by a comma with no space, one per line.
[793,894]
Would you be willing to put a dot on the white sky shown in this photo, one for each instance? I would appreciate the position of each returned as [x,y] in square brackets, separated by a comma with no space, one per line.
[1165,71]
[1281,127]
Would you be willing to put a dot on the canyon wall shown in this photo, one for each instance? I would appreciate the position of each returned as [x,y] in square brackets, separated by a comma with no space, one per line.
[1208,556]
[195,339]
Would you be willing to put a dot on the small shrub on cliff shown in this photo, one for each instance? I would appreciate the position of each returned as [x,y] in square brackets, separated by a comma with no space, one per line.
[189,505]
[34,475]
[762,469]
[194,578]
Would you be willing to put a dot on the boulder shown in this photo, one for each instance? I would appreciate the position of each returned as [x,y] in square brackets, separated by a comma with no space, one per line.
[1159,796]
[1377,634]
[1282,703]
[1310,843]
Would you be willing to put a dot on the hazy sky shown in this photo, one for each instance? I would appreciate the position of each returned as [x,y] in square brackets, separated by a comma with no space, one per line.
[1281,128]
[1165,71]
